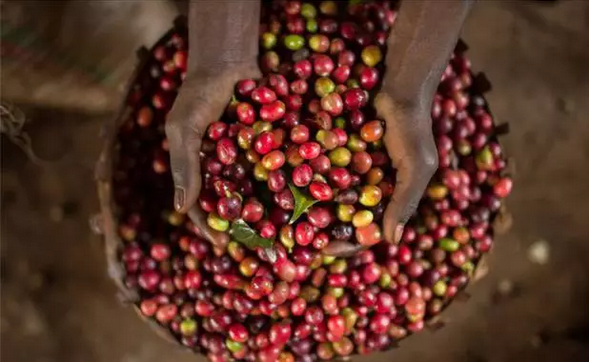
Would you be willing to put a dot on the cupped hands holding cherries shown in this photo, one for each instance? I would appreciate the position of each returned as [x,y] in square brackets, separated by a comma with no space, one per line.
[408,137]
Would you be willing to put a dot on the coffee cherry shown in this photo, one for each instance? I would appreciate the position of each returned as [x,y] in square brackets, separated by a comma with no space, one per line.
[343,347]
[341,74]
[340,157]
[370,195]
[503,187]
[324,86]
[320,165]
[160,252]
[319,216]
[309,150]
[267,229]
[229,208]
[371,55]
[320,191]
[323,65]
[345,212]
[372,131]
[369,78]
[333,104]
[314,315]
[299,134]
[264,143]
[362,218]
[216,222]
[273,111]
[248,266]
[279,333]
[166,313]
[368,235]
[252,211]
[361,162]
[340,178]
[263,95]
[277,181]
[327,139]
[148,307]
[356,144]
[355,98]
[273,160]
[304,233]
[302,175]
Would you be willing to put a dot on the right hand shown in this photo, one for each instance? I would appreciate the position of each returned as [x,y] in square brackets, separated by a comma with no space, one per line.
[412,150]
[201,101]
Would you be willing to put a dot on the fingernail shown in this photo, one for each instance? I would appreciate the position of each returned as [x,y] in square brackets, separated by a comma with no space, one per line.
[179,198]
[399,233]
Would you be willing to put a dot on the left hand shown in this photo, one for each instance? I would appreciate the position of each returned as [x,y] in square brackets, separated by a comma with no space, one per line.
[201,100]
[411,147]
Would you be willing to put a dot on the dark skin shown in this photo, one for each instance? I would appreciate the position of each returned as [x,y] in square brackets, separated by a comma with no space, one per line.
[419,47]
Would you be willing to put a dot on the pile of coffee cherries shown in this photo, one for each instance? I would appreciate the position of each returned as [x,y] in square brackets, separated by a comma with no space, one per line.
[296,162]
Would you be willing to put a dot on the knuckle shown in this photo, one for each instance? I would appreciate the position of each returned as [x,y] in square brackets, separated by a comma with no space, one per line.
[173,128]
[197,133]
[431,163]
[183,137]
[408,210]
[177,167]
[178,177]
[428,158]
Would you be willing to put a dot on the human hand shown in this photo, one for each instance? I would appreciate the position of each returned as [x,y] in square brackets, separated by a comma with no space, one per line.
[411,147]
[201,101]
[410,144]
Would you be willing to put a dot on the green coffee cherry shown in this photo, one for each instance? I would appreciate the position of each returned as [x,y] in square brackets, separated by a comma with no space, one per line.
[294,42]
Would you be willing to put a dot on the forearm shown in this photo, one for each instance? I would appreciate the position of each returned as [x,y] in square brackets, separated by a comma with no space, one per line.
[420,45]
[222,33]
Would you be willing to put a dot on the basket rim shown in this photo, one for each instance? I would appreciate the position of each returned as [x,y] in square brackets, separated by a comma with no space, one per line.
[103,179]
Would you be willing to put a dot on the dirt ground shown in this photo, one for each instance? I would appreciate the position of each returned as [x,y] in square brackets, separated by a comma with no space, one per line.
[58,304]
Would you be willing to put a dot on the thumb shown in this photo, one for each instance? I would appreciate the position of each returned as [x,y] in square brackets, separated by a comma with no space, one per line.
[184,164]
[413,175]
[403,204]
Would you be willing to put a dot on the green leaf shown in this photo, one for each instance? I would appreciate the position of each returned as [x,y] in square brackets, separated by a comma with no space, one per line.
[242,233]
[302,203]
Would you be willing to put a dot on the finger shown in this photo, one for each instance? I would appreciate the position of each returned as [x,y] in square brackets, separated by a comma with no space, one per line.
[342,249]
[217,238]
[411,146]
[402,205]
[185,145]
[412,179]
